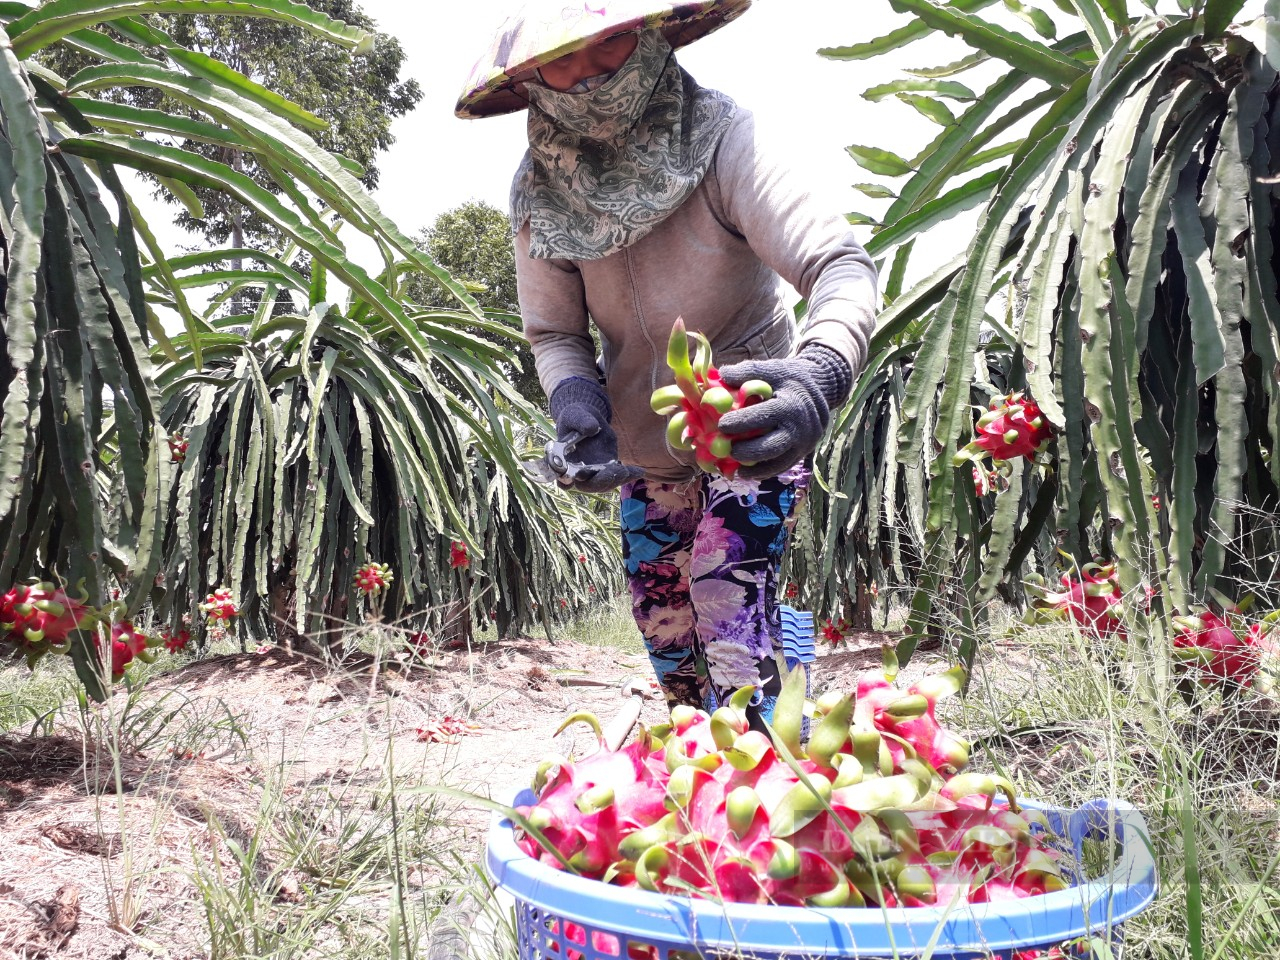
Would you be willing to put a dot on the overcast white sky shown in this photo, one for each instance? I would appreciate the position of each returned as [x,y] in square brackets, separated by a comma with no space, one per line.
[766,60]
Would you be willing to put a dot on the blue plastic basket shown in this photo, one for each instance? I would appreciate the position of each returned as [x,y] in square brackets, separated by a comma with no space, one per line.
[797,636]
[563,917]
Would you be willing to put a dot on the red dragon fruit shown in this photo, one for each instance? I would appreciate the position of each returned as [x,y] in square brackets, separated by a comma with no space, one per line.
[909,718]
[128,644]
[220,607]
[175,641]
[1220,651]
[39,617]
[1092,600]
[1012,428]
[178,448]
[372,578]
[586,809]
[706,806]
[697,401]
[458,558]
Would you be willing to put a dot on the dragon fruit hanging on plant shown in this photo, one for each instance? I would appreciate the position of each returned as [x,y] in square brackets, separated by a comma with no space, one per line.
[220,607]
[373,578]
[40,617]
[178,446]
[1012,428]
[126,644]
[697,401]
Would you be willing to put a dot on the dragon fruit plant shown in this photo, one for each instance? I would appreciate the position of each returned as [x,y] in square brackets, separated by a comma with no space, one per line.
[373,578]
[1012,428]
[876,811]
[697,401]
[1091,600]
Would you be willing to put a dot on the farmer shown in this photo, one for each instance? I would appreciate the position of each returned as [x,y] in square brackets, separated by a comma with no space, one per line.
[645,197]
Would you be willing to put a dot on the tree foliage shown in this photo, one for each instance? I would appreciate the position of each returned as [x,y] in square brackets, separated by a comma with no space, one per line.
[357,95]
[473,242]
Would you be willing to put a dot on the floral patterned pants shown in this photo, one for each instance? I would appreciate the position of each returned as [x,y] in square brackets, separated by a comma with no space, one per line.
[702,560]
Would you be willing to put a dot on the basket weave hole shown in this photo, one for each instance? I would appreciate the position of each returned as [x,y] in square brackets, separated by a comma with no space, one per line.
[605,944]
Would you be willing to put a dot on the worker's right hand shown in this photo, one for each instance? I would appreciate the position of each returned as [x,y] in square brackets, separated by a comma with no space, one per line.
[581,408]
[783,430]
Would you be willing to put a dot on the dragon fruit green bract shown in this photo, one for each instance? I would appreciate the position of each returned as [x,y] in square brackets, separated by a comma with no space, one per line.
[698,400]
[877,811]
[373,578]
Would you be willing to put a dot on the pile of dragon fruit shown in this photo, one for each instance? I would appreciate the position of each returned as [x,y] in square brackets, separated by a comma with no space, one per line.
[876,809]
[697,401]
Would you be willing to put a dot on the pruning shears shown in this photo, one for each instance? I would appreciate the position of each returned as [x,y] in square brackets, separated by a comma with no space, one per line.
[559,467]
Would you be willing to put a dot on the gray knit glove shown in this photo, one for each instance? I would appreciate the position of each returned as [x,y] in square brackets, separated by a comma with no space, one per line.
[806,388]
[580,406]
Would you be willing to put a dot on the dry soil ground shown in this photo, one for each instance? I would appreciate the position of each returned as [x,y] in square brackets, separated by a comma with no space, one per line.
[241,728]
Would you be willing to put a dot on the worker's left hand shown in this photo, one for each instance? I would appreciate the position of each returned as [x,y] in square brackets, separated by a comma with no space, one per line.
[787,426]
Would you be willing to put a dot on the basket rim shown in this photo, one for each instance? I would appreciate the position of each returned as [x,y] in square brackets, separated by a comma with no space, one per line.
[1094,907]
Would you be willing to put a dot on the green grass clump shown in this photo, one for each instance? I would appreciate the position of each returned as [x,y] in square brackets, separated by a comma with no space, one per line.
[1062,715]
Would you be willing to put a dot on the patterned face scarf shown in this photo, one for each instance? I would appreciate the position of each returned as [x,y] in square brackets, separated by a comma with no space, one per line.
[607,166]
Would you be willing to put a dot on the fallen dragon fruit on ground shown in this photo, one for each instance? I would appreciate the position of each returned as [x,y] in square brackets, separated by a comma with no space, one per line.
[1092,599]
[697,401]
[877,809]
[1223,650]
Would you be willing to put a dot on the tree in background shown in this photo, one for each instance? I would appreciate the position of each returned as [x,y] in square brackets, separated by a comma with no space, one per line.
[473,242]
[358,95]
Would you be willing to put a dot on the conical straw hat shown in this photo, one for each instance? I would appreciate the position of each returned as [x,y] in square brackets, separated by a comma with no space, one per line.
[545,30]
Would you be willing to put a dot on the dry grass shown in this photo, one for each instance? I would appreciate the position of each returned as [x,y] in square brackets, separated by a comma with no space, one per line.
[268,806]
